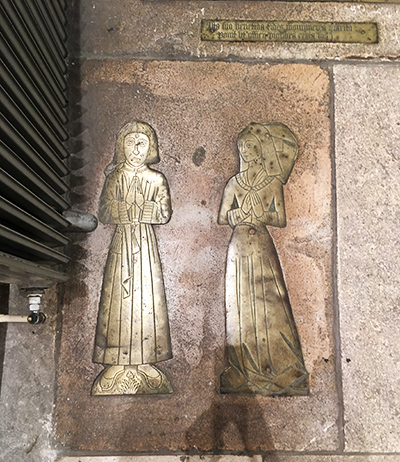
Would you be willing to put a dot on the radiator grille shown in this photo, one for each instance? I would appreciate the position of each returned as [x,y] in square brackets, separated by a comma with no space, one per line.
[33,95]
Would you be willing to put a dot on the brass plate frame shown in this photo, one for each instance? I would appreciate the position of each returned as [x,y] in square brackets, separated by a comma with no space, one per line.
[231,30]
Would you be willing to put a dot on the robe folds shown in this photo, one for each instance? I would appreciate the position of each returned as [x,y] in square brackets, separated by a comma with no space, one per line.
[262,340]
[132,326]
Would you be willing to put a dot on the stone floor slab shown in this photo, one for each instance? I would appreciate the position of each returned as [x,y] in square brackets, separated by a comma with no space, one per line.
[336,458]
[367,108]
[28,386]
[171,29]
[193,106]
[179,458]
[230,458]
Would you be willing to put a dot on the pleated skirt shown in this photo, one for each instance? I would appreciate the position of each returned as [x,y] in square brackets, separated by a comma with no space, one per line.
[132,326]
[260,329]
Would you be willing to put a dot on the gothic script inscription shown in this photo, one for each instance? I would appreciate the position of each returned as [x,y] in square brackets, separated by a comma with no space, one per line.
[288,31]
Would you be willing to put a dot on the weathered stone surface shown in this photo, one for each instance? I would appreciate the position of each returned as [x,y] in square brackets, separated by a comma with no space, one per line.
[230,458]
[179,458]
[367,106]
[323,458]
[171,30]
[197,110]
[27,389]
[338,458]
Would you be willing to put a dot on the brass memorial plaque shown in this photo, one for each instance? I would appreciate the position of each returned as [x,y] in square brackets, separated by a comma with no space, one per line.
[132,328]
[288,31]
[264,351]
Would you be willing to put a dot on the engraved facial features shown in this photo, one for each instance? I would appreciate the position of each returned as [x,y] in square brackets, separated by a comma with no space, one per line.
[136,147]
[249,147]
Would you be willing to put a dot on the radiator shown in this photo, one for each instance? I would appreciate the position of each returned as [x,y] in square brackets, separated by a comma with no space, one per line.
[34,131]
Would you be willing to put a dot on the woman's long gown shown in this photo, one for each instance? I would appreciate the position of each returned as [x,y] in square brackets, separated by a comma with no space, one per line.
[132,325]
[264,350]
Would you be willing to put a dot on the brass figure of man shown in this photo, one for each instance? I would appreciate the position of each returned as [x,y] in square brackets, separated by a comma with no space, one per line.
[264,351]
[132,328]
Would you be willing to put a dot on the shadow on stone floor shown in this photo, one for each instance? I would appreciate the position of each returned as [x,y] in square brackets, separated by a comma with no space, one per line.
[227,423]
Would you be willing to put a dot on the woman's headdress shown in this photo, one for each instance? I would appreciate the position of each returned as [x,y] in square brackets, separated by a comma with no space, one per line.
[279,148]
[134,127]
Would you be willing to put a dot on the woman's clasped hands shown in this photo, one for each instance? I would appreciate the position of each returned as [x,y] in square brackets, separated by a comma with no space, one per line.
[252,201]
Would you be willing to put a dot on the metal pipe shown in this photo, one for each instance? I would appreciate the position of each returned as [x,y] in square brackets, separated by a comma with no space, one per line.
[42,76]
[23,125]
[13,318]
[35,115]
[31,178]
[53,112]
[33,318]
[30,156]
[26,199]
[36,316]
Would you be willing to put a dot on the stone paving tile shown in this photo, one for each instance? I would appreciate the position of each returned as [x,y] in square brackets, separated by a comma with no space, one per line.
[339,458]
[180,458]
[194,105]
[322,458]
[27,389]
[367,106]
[229,458]
[171,29]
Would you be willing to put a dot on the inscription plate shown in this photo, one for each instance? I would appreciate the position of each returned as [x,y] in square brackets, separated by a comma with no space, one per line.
[288,31]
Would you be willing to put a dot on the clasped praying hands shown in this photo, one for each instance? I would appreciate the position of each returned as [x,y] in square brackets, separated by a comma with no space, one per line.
[252,201]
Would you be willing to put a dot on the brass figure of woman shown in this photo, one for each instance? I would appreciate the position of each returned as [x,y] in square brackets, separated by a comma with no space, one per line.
[132,328]
[264,351]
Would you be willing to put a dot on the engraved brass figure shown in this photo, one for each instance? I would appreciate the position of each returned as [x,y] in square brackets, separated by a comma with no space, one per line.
[264,351]
[132,329]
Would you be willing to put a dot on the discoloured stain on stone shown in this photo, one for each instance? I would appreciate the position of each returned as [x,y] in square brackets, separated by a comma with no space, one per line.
[199,156]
